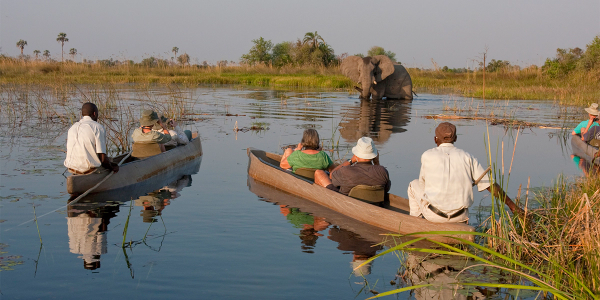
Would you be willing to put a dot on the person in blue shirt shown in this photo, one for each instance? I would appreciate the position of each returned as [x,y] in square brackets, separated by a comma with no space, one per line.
[584,126]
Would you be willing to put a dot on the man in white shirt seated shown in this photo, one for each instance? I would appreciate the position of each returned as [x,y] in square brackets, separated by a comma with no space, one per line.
[444,191]
[86,144]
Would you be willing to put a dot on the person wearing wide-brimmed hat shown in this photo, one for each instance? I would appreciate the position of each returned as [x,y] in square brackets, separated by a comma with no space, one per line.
[444,191]
[86,144]
[584,126]
[145,135]
[362,169]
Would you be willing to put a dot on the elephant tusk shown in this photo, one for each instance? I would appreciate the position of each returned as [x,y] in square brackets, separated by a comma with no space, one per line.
[374,81]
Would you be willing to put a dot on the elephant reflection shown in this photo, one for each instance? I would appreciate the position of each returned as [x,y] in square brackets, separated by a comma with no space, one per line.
[379,77]
[375,119]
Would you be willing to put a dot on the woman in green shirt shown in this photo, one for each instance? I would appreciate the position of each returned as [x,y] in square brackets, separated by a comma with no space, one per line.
[307,154]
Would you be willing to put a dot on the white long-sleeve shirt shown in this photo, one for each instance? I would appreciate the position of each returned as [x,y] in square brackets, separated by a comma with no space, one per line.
[447,175]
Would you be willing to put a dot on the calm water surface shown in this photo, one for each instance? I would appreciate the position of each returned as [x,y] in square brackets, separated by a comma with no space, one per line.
[211,233]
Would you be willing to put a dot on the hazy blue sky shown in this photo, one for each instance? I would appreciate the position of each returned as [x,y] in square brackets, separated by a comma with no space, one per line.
[449,32]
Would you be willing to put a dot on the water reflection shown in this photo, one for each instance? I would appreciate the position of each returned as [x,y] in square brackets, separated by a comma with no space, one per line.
[87,228]
[88,219]
[376,119]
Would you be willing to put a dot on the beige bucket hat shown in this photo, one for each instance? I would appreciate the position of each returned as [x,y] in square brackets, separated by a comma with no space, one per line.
[365,148]
[593,109]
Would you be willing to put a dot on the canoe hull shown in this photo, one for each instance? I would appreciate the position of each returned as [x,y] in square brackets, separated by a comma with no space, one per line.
[583,149]
[164,164]
[261,167]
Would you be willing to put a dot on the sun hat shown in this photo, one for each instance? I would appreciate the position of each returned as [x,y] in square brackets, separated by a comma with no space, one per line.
[593,109]
[148,118]
[363,270]
[365,148]
[446,132]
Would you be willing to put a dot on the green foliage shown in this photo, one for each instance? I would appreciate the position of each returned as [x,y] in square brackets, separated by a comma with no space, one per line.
[149,62]
[376,50]
[259,53]
[21,44]
[282,54]
[591,58]
[299,53]
[497,65]
[183,59]
[573,59]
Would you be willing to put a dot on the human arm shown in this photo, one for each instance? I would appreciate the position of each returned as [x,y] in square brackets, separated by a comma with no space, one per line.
[106,163]
[344,164]
[497,191]
[284,164]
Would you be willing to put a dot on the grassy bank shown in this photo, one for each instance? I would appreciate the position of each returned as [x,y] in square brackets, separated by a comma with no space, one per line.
[579,88]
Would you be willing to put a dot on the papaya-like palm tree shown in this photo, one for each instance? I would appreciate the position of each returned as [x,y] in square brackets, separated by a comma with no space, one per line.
[47,54]
[73,52]
[21,44]
[175,50]
[313,39]
[62,38]
[37,53]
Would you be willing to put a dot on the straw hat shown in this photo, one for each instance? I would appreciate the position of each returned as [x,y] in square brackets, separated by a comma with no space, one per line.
[148,118]
[593,109]
[365,148]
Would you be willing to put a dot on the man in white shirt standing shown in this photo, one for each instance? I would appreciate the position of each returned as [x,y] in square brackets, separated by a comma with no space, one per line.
[86,144]
[444,191]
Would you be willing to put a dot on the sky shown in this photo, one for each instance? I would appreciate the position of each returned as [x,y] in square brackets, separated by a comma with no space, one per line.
[451,33]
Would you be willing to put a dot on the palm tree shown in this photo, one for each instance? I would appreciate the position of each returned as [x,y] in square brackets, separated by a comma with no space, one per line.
[62,38]
[313,38]
[73,52]
[21,44]
[36,52]
[175,50]
[47,54]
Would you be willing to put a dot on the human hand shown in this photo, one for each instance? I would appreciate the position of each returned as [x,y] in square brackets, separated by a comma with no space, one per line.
[173,123]
[299,147]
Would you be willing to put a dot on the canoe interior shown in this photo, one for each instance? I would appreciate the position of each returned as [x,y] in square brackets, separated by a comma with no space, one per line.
[394,217]
[583,149]
[395,203]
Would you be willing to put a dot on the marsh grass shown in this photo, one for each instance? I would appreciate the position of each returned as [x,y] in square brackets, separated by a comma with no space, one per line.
[578,88]
[554,246]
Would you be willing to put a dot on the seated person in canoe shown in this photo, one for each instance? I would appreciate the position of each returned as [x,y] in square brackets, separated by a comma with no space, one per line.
[178,135]
[307,154]
[362,169]
[444,191]
[145,135]
[584,126]
[86,144]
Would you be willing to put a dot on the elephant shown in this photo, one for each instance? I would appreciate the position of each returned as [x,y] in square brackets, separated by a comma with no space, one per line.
[379,77]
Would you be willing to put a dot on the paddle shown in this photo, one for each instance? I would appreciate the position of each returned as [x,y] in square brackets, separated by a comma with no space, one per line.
[99,183]
[511,205]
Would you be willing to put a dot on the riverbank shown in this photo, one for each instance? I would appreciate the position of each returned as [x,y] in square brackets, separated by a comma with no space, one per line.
[527,84]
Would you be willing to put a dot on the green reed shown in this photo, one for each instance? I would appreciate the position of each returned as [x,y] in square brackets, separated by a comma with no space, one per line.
[554,245]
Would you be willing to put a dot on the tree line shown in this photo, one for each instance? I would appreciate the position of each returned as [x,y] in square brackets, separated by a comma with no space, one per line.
[310,50]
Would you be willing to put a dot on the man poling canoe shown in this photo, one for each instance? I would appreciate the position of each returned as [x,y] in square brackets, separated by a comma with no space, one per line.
[444,191]
[86,144]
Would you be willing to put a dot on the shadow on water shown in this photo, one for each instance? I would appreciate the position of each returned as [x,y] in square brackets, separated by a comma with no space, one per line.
[376,119]
[88,219]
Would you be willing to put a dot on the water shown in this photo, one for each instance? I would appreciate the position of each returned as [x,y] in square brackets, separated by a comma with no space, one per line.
[207,235]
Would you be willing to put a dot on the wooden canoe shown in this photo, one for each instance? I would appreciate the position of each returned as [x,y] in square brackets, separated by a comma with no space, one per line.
[166,164]
[393,217]
[583,149]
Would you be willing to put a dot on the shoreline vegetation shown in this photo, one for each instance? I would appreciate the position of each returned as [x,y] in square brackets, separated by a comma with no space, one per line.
[577,88]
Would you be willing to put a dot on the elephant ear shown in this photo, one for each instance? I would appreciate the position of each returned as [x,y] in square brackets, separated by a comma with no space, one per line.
[385,65]
[349,67]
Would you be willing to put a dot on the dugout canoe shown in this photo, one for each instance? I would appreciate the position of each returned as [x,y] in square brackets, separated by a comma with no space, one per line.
[583,149]
[393,217]
[166,164]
